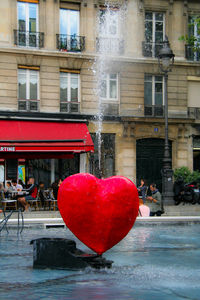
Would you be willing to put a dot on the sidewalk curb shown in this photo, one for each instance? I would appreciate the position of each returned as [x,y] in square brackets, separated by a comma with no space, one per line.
[140,220]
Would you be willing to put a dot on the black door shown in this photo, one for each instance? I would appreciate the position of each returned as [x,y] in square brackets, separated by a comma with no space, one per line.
[196,160]
[149,158]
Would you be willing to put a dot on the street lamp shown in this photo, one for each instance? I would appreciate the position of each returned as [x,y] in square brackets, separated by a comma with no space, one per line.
[165,61]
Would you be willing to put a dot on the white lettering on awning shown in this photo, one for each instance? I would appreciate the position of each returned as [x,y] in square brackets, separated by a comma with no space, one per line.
[7,149]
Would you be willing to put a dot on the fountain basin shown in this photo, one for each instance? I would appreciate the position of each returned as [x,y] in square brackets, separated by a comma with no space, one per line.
[154,261]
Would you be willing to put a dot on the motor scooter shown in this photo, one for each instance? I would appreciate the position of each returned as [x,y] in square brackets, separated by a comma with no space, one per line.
[186,193]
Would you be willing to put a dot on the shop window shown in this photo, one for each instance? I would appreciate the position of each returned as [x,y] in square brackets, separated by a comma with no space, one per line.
[11,169]
[40,169]
[107,161]
[109,87]
[154,33]
[67,167]
[28,89]
[153,95]
[27,34]
[69,92]
[2,171]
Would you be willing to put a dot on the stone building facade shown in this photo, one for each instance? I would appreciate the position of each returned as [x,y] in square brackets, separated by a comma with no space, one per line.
[47,53]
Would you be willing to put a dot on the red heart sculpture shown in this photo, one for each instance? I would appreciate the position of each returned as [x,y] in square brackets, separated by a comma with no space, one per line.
[100,212]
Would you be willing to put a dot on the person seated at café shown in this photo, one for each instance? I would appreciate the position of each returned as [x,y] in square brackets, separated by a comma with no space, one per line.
[55,186]
[22,183]
[1,187]
[1,191]
[16,186]
[8,190]
[41,193]
[31,194]
[155,201]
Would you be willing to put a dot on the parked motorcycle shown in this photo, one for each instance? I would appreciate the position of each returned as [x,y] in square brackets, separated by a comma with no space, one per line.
[186,193]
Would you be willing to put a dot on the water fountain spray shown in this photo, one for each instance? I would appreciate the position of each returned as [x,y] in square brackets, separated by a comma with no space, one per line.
[109,28]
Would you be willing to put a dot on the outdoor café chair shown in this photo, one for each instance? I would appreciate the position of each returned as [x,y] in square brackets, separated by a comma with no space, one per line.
[53,204]
[34,203]
[9,204]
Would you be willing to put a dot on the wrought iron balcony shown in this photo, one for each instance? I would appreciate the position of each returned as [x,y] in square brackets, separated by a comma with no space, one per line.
[70,107]
[154,111]
[151,49]
[191,53]
[71,43]
[194,113]
[29,39]
[28,105]
[110,45]
[110,109]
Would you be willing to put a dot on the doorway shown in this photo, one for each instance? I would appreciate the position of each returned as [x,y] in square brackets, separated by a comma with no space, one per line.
[149,160]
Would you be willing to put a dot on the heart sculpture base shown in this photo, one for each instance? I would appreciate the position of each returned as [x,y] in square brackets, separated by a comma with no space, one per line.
[59,253]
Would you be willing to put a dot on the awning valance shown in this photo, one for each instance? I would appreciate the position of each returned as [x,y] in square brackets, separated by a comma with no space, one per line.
[39,136]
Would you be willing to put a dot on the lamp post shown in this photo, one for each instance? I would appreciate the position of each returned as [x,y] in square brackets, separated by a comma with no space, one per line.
[165,61]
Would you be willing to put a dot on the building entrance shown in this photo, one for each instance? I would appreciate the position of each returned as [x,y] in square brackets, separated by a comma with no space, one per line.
[196,153]
[149,160]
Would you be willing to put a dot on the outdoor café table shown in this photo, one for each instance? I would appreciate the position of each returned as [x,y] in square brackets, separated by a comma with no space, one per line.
[18,193]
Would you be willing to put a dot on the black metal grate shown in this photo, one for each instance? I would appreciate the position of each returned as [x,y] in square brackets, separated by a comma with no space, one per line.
[28,105]
[70,107]
[194,113]
[71,43]
[110,109]
[29,39]
[151,49]
[192,53]
[154,111]
[110,45]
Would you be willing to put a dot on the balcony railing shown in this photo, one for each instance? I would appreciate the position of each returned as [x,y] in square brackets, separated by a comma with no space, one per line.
[110,109]
[28,105]
[191,53]
[70,107]
[71,43]
[194,113]
[151,49]
[29,39]
[110,45]
[154,111]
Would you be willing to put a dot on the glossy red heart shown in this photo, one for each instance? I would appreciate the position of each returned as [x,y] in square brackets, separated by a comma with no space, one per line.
[100,212]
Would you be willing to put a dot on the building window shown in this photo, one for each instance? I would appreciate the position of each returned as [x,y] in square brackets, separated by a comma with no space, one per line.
[69,21]
[109,23]
[193,98]
[69,39]
[193,46]
[153,95]
[28,90]
[109,40]
[27,34]
[69,92]
[109,87]
[154,33]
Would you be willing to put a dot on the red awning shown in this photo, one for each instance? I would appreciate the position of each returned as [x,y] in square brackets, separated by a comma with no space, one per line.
[38,136]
